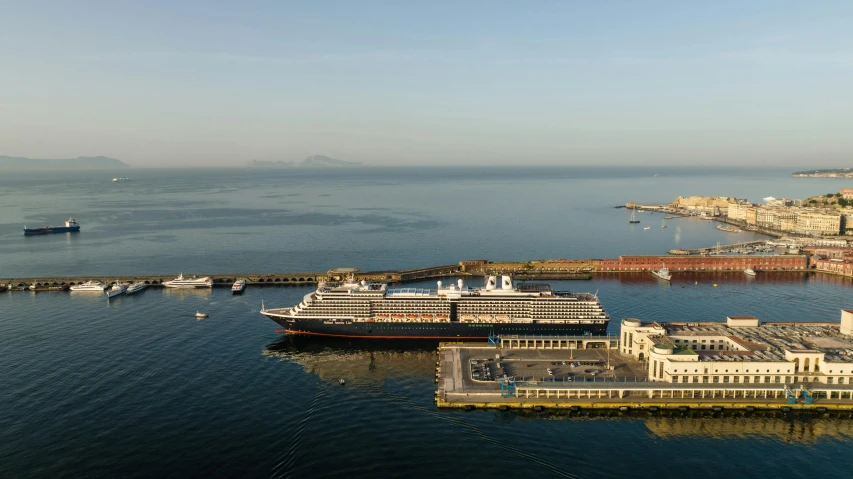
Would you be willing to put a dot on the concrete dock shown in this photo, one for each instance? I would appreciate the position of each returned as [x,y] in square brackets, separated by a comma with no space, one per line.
[583,373]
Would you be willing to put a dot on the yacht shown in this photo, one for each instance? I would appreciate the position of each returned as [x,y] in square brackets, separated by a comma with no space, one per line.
[200,315]
[181,282]
[749,272]
[116,290]
[90,286]
[662,273]
[135,287]
[238,286]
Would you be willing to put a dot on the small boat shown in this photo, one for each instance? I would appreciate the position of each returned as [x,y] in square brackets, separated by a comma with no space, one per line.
[135,287]
[120,178]
[396,316]
[662,224]
[441,317]
[90,287]
[647,228]
[116,290]
[3,287]
[411,316]
[341,381]
[238,286]
[633,217]
[200,315]
[662,273]
[749,272]
[426,317]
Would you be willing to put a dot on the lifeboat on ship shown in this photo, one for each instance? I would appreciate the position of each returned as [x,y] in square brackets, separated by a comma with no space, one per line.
[396,317]
[411,317]
[468,317]
[382,316]
[426,317]
[502,317]
[441,317]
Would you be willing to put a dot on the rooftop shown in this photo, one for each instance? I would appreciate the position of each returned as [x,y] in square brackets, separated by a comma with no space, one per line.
[766,342]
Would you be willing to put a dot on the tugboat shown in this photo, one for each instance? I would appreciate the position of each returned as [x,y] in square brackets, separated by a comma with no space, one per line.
[71,226]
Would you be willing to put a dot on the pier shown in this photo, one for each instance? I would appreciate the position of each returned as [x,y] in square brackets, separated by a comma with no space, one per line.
[556,269]
[588,373]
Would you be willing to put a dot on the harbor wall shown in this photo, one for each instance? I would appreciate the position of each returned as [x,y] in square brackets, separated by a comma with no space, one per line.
[557,269]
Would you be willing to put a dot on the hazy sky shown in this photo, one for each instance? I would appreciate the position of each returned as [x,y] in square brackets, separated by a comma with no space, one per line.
[184,83]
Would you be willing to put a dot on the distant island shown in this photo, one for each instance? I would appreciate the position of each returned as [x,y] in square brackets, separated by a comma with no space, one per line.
[79,163]
[316,161]
[828,173]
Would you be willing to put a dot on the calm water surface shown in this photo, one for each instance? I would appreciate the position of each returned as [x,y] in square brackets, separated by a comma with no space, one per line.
[138,387]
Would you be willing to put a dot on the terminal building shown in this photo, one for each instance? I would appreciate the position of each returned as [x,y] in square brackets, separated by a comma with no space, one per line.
[743,350]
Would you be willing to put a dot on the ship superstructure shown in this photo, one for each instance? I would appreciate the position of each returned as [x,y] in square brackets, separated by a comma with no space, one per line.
[362,309]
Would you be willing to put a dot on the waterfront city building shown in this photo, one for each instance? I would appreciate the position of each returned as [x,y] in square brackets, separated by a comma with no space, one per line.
[743,350]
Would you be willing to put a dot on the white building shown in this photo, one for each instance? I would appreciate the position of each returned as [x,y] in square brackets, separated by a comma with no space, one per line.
[743,351]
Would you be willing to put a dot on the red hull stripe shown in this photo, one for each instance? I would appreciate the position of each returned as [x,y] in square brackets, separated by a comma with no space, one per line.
[289,331]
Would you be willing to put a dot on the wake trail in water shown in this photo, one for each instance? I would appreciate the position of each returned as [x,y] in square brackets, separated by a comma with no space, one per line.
[285,466]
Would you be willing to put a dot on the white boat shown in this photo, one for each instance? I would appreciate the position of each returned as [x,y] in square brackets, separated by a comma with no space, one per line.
[135,287]
[238,286]
[90,286]
[749,272]
[116,290]
[181,282]
[120,178]
[662,224]
[200,315]
[662,273]
[647,228]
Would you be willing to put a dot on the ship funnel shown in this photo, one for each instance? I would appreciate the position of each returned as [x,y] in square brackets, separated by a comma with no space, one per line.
[439,285]
[491,282]
[364,282]
[460,283]
[506,282]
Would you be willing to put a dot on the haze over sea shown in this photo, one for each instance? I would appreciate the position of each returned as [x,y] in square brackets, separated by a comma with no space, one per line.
[138,387]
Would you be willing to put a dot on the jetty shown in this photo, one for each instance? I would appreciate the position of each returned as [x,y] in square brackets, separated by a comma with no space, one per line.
[553,269]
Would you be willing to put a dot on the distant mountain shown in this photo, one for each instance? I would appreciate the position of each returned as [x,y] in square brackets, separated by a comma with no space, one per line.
[320,160]
[316,161]
[79,163]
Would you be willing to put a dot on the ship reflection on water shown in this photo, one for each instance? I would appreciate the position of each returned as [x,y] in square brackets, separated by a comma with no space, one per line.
[354,360]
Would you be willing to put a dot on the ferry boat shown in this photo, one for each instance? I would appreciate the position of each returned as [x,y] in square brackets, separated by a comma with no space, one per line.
[181,282]
[361,310]
[48,287]
[749,272]
[116,290]
[662,273]
[238,287]
[71,226]
[90,286]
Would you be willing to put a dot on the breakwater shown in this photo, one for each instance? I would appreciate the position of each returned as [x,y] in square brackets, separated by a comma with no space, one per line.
[557,269]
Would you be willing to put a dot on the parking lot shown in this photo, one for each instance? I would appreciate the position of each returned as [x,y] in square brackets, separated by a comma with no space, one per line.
[484,366]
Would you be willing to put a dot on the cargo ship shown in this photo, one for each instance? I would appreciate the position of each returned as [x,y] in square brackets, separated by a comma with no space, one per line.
[372,310]
[71,226]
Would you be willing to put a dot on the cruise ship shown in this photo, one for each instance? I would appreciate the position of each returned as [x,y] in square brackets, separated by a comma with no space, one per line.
[372,310]
[181,282]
